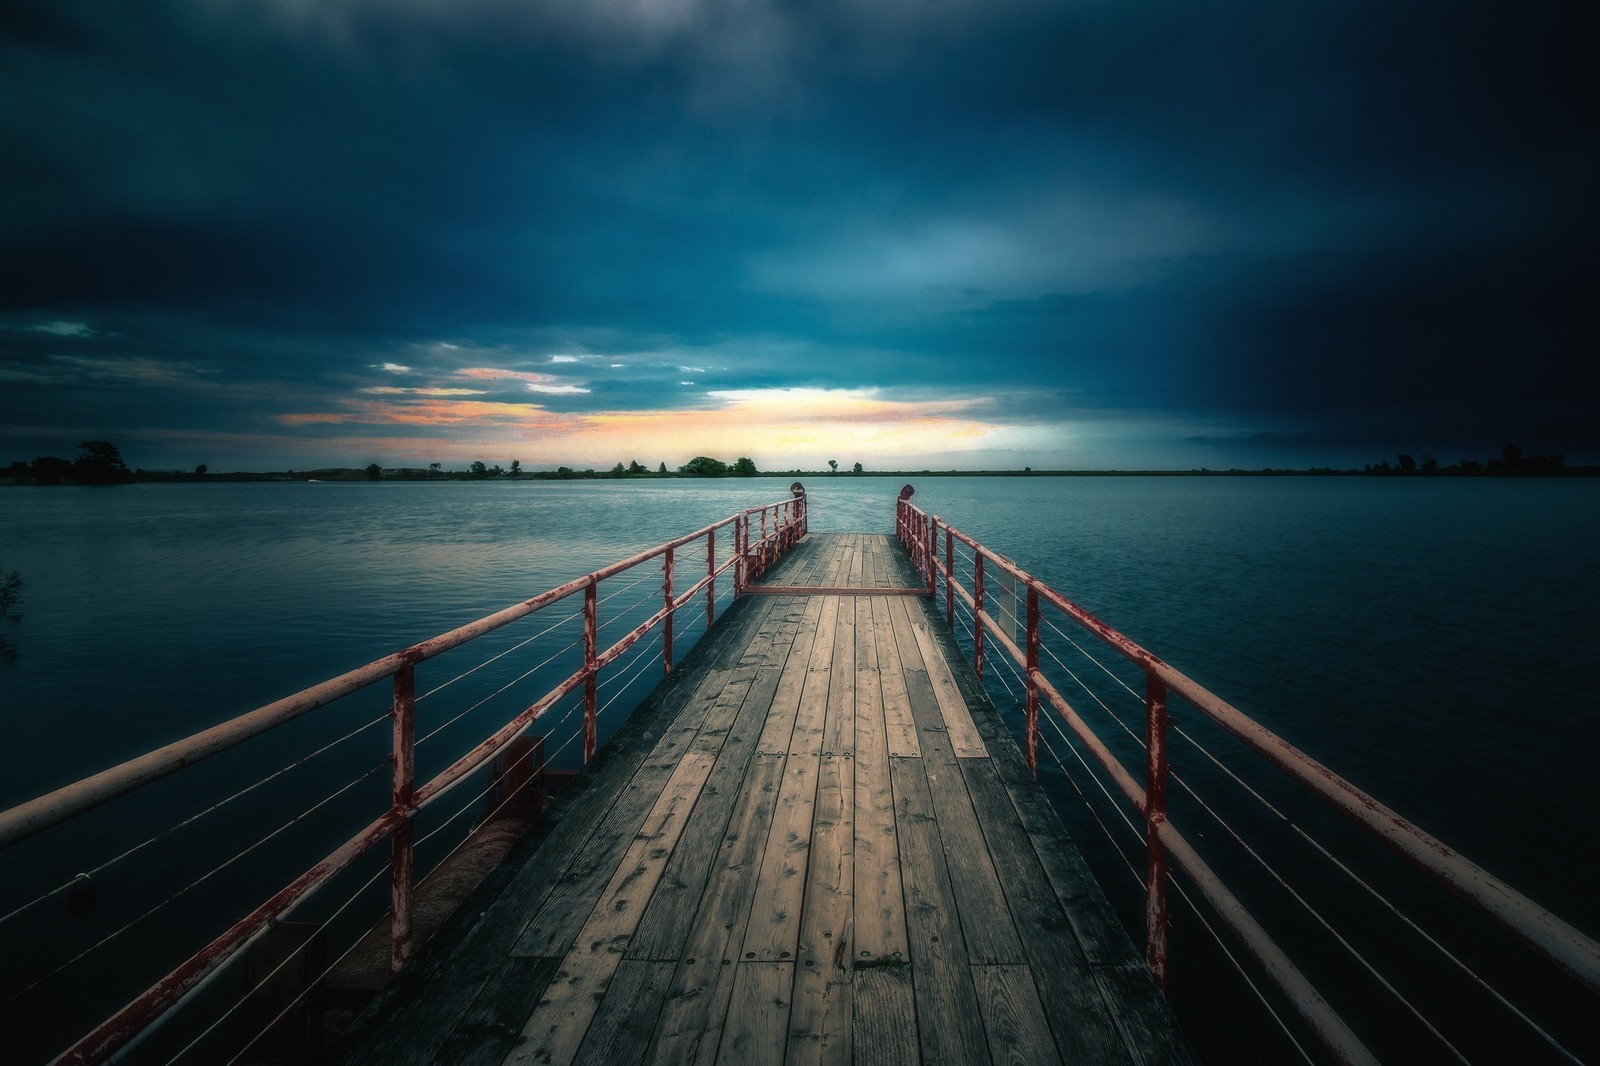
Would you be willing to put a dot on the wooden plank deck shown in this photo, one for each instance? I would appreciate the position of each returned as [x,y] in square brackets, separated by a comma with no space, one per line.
[813,843]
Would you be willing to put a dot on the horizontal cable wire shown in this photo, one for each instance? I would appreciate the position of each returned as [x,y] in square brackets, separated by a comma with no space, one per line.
[1306,904]
[572,617]
[655,595]
[655,658]
[1237,965]
[1088,806]
[1139,879]
[290,957]
[195,817]
[499,691]
[1108,671]
[1320,848]
[198,881]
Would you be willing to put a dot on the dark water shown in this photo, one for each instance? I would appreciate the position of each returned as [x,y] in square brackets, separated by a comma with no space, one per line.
[1431,640]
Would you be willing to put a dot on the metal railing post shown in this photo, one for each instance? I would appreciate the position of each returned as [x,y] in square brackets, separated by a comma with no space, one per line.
[977,612]
[1033,678]
[711,573]
[590,683]
[403,714]
[738,555]
[950,578]
[933,550]
[1155,813]
[927,547]
[666,623]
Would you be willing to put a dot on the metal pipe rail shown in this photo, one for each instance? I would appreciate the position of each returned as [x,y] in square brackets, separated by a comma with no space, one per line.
[1550,936]
[760,536]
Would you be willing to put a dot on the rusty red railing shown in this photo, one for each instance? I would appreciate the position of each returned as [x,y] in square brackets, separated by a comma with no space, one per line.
[921,533]
[760,536]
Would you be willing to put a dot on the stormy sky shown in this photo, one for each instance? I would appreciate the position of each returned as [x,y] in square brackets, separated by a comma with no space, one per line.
[1116,234]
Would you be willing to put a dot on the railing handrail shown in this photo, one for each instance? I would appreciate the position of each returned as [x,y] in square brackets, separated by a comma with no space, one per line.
[1548,934]
[53,808]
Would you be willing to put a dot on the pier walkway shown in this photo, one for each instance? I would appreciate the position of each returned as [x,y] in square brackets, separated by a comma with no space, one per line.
[813,842]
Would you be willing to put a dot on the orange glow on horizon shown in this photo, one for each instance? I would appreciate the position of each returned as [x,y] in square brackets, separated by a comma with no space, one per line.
[776,427]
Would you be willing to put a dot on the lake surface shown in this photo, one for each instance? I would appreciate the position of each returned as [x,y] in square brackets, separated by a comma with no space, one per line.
[1432,640]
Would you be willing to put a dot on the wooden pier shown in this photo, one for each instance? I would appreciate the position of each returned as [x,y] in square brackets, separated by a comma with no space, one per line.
[814,842]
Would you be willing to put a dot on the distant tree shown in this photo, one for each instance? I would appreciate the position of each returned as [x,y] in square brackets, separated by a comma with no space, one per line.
[1512,454]
[663,469]
[478,468]
[374,471]
[99,464]
[833,465]
[635,468]
[618,470]
[200,471]
[516,468]
[434,468]
[858,468]
[1408,465]
[744,467]
[565,471]
[1430,465]
[704,466]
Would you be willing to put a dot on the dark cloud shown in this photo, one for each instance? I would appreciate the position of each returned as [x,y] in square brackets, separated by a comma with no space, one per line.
[1324,222]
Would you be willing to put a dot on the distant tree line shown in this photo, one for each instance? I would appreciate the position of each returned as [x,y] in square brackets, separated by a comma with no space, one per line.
[99,463]
[1511,462]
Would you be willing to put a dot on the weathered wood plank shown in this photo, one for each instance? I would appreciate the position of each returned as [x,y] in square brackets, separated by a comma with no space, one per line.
[1142,1015]
[947,1007]
[885,1020]
[825,917]
[1078,1015]
[1094,924]
[985,919]
[779,730]
[900,728]
[964,738]
[822,1017]
[773,932]
[838,727]
[692,1017]
[757,1029]
[880,923]
[627,1017]
[495,1019]
[574,888]
[558,1024]
[811,715]
[920,698]
[1074,1002]
[451,971]
[1013,1016]
[806,556]
[665,924]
